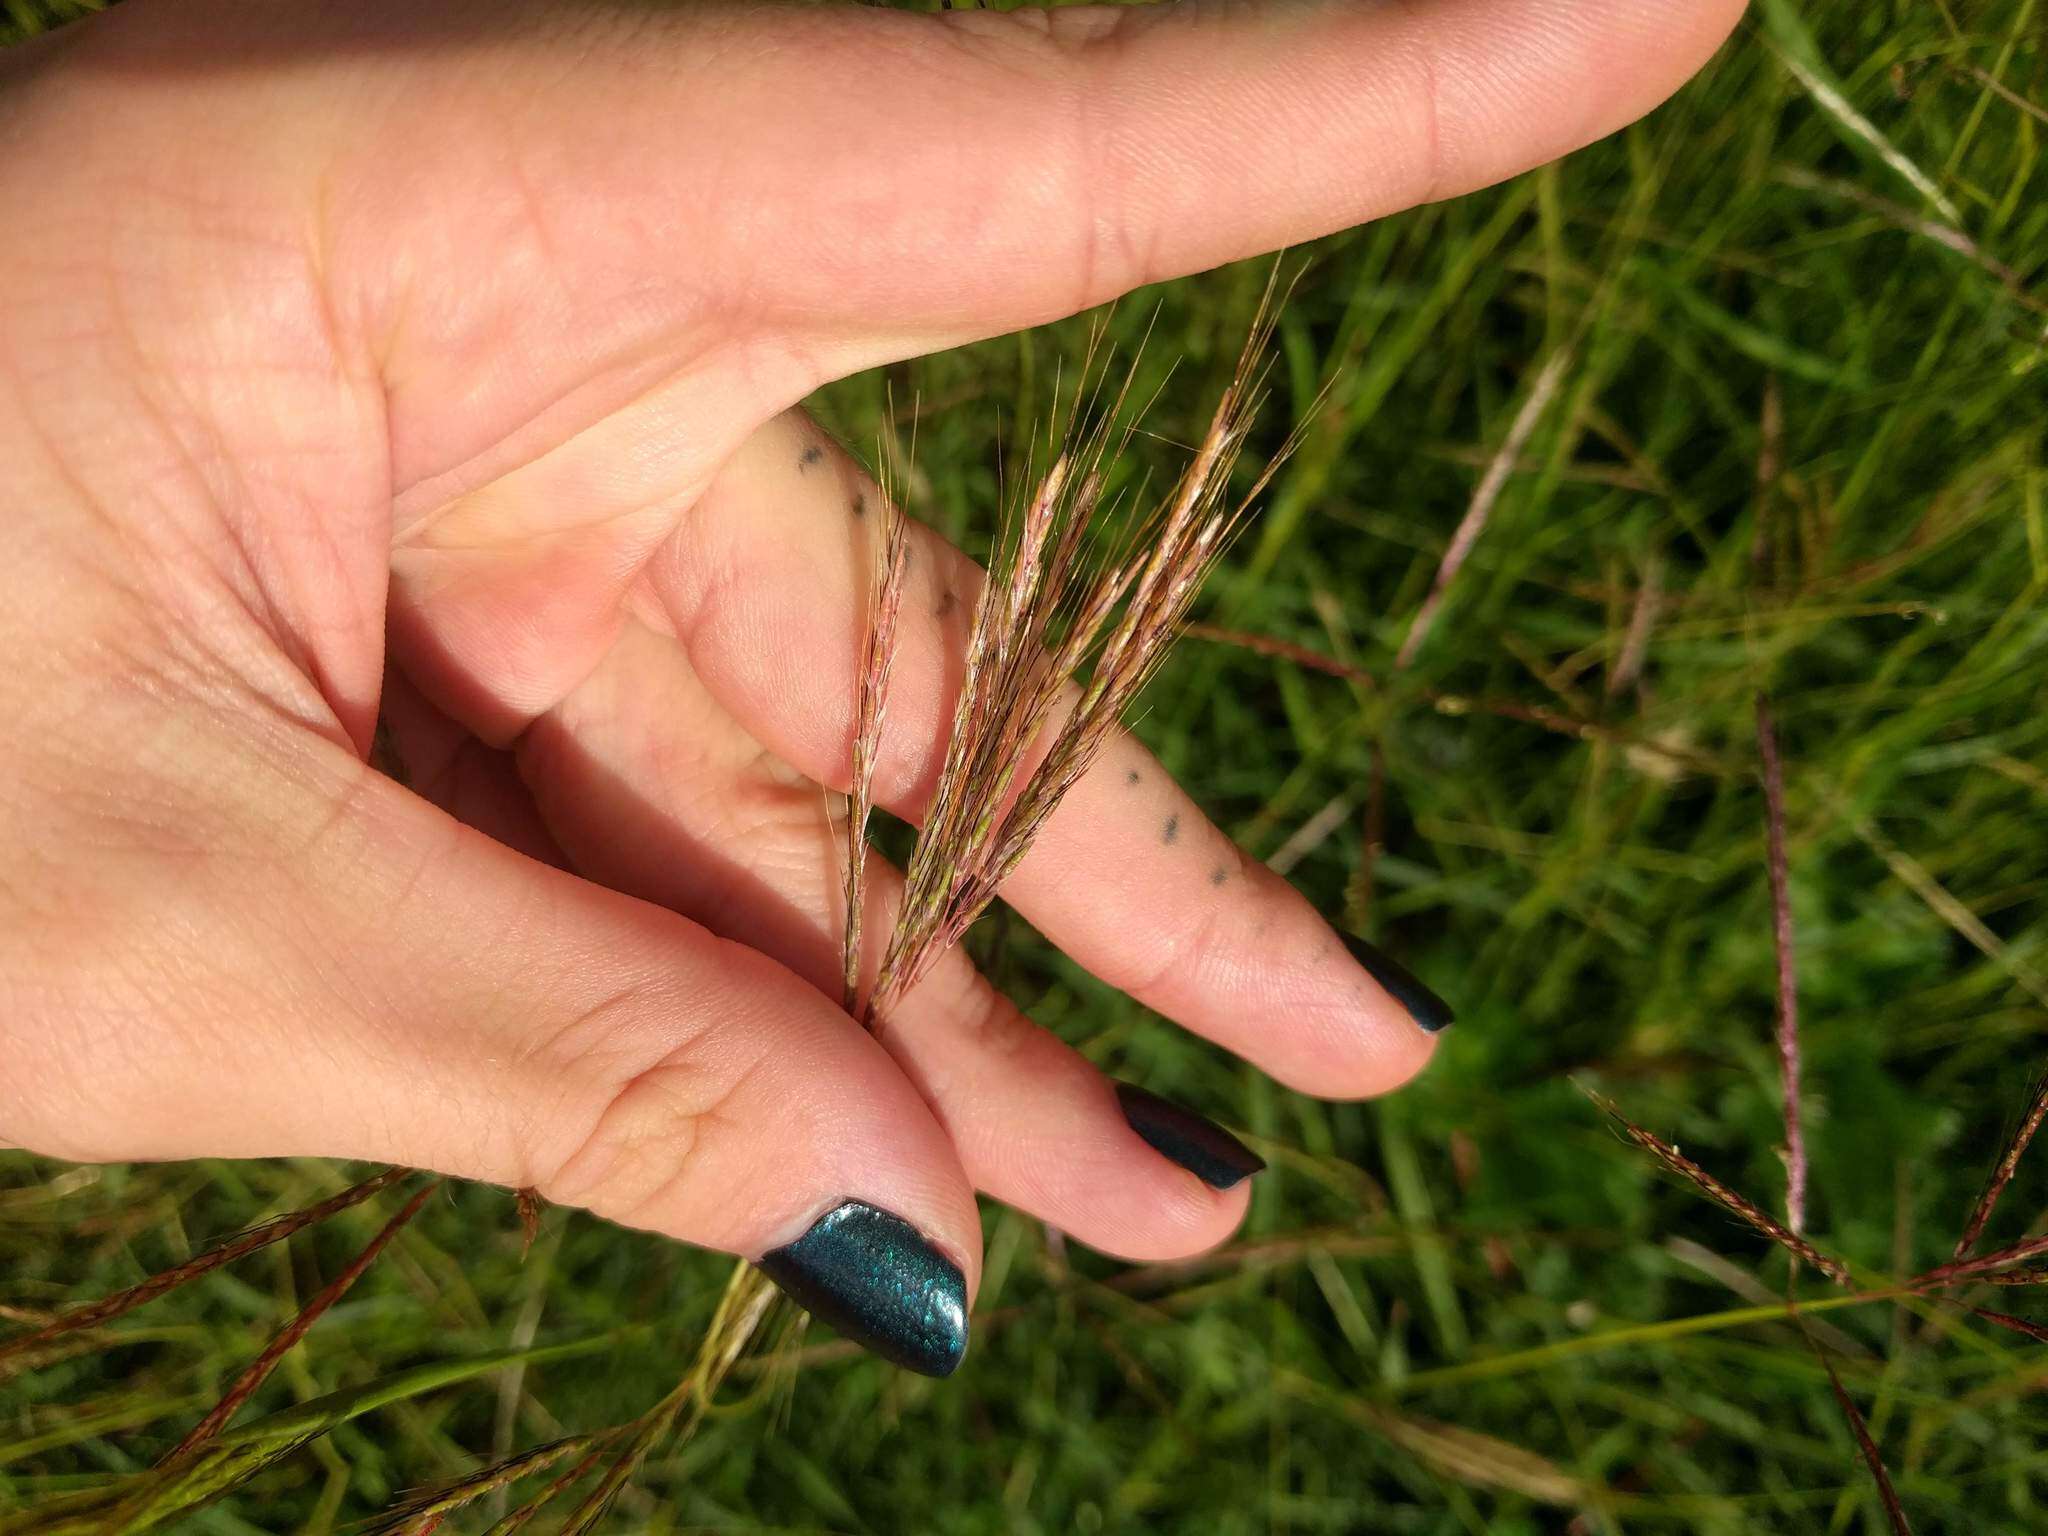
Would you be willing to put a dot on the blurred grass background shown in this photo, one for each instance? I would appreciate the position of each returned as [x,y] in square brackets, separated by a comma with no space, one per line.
[1799,444]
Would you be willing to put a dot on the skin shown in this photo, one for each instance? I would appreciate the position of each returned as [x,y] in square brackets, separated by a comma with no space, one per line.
[444,357]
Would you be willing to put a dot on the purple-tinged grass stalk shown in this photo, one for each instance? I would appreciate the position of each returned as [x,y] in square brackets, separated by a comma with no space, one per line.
[1447,702]
[2002,1171]
[1984,1264]
[260,1368]
[2026,1326]
[93,1313]
[1740,1205]
[2010,1277]
[748,1296]
[1895,1512]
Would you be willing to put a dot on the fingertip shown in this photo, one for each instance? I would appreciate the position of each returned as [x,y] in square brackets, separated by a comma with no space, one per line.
[881,1282]
[1358,1024]
[1185,1215]
[1430,1013]
[1187,1139]
[1185,1181]
[1082,1162]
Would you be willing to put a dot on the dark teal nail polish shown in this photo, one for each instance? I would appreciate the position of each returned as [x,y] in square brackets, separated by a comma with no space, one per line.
[875,1278]
[1423,1005]
[1180,1135]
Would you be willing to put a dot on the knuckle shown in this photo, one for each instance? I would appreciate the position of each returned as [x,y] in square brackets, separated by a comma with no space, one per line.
[980,1015]
[640,1145]
[638,1151]
[1178,960]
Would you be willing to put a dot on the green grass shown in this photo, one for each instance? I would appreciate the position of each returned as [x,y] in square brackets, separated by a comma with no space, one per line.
[1481,1255]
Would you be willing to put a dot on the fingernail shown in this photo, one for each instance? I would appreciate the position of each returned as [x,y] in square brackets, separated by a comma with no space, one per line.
[1423,1005]
[880,1282]
[1180,1135]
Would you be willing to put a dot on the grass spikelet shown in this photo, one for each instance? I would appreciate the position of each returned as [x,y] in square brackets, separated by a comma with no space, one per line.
[2002,1171]
[877,658]
[1023,733]
[260,1368]
[1740,1205]
[438,1504]
[1894,1511]
[748,1296]
[1980,1267]
[529,1207]
[276,1230]
[2013,1277]
[2038,1332]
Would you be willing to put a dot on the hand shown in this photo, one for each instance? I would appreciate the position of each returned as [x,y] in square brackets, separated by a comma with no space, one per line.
[482,328]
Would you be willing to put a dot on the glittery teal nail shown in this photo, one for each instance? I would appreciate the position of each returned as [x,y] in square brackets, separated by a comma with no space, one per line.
[1423,1005]
[875,1278]
[1199,1145]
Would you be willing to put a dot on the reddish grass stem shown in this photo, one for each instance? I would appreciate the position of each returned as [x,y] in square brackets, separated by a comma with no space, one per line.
[260,1368]
[436,1505]
[1979,1267]
[581,1468]
[1740,1205]
[2003,1170]
[878,653]
[93,1313]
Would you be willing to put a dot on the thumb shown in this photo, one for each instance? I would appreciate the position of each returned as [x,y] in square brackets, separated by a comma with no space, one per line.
[346,972]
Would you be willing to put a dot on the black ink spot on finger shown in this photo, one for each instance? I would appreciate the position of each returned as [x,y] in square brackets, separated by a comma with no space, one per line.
[858,506]
[1170,833]
[1218,875]
[814,454]
[1131,777]
[948,601]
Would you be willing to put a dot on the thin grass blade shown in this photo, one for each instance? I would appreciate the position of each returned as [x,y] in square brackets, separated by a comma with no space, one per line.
[93,1313]
[1740,1205]
[260,1368]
